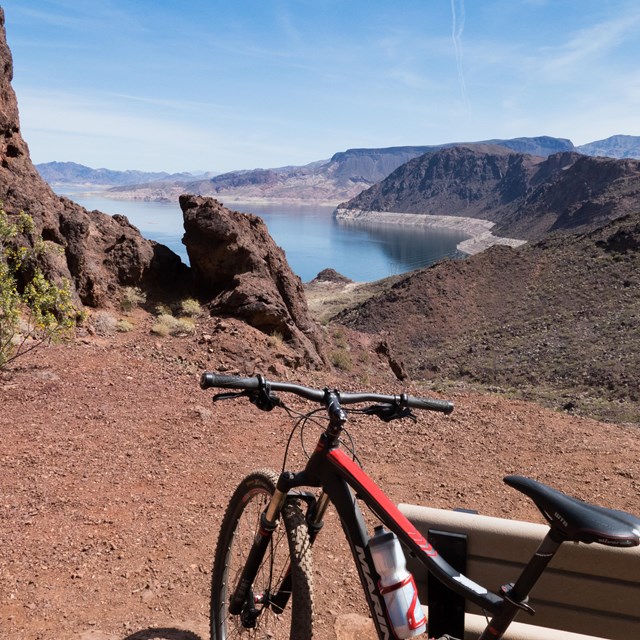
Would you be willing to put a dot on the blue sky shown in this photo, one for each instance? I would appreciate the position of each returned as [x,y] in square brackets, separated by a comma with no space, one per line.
[236,84]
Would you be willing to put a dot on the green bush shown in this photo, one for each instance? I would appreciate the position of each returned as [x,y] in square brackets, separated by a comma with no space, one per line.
[33,309]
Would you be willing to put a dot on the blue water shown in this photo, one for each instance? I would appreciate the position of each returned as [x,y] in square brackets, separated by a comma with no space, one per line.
[309,235]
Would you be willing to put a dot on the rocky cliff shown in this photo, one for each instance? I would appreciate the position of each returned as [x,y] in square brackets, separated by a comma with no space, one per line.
[238,267]
[526,196]
[96,252]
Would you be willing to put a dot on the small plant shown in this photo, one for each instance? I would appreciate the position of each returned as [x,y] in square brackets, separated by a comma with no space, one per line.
[131,298]
[161,329]
[190,308]
[341,359]
[104,323]
[164,325]
[33,308]
[275,339]
[182,326]
[124,326]
[162,310]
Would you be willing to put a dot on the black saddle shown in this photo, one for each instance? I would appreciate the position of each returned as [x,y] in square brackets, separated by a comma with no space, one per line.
[577,520]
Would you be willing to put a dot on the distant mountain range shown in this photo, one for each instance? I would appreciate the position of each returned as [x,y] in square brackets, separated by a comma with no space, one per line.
[613,147]
[340,178]
[526,196]
[74,173]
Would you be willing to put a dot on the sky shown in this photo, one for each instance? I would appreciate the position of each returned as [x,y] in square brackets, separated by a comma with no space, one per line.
[220,85]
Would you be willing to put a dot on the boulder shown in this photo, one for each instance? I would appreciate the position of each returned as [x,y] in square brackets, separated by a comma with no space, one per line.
[240,270]
[96,252]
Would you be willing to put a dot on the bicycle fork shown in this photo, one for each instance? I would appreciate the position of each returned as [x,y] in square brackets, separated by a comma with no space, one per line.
[243,600]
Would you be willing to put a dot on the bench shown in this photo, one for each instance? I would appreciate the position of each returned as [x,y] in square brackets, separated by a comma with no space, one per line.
[587,592]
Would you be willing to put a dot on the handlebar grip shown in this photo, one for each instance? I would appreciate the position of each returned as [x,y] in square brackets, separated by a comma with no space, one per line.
[209,379]
[443,406]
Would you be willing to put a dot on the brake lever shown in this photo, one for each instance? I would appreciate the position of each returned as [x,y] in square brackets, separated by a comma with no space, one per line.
[387,412]
[229,395]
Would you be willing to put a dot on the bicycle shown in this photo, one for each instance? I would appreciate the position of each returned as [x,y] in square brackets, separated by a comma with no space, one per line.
[255,574]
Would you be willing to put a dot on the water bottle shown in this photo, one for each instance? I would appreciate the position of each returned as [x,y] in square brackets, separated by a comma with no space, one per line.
[397,585]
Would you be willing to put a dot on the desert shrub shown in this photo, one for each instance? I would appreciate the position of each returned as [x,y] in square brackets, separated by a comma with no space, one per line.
[162,310]
[161,329]
[340,339]
[124,326]
[104,323]
[183,325]
[163,325]
[190,307]
[131,298]
[341,359]
[275,339]
[33,308]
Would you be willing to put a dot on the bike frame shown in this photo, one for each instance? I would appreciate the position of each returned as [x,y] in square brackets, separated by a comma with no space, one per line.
[343,482]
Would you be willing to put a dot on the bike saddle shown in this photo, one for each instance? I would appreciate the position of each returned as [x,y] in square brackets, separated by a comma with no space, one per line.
[577,520]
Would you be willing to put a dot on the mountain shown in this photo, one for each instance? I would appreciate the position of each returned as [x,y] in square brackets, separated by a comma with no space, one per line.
[614,147]
[556,320]
[526,196]
[343,176]
[73,173]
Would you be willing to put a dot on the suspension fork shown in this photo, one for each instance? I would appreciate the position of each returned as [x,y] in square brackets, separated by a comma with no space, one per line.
[269,518]
[268,523]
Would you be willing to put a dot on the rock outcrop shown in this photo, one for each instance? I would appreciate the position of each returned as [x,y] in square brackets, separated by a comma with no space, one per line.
[96,252]
[237,266]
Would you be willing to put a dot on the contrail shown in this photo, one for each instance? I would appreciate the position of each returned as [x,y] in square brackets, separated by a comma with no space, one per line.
[456,34]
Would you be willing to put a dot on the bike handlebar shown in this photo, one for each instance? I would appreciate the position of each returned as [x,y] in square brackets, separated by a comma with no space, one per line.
[209,379]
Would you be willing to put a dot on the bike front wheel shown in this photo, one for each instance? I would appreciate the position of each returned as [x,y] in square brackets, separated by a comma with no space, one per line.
[281,603]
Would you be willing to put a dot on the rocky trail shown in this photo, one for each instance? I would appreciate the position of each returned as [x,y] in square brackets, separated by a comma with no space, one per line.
[116,469]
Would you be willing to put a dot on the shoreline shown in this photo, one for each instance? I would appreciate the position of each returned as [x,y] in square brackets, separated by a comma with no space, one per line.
[478,229]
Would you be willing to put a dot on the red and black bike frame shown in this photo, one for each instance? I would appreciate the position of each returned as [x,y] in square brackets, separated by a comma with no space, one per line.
[344,482]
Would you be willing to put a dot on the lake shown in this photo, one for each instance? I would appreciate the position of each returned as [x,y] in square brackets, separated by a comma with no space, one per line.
[312,239]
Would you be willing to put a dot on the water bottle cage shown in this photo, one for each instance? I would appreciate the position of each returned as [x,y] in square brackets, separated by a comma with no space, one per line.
[411,620]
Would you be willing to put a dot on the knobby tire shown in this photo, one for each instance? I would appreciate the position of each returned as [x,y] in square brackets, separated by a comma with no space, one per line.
[289,544]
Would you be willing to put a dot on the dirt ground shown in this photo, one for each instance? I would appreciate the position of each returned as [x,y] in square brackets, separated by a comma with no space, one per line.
[116,470]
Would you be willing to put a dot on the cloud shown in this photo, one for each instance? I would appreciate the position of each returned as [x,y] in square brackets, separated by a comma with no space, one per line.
[590,44]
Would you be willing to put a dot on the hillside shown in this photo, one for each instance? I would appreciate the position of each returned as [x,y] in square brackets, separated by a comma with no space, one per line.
[526,196]
[556,320]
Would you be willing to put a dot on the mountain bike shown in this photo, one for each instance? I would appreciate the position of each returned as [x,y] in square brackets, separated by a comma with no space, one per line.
[261,581]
